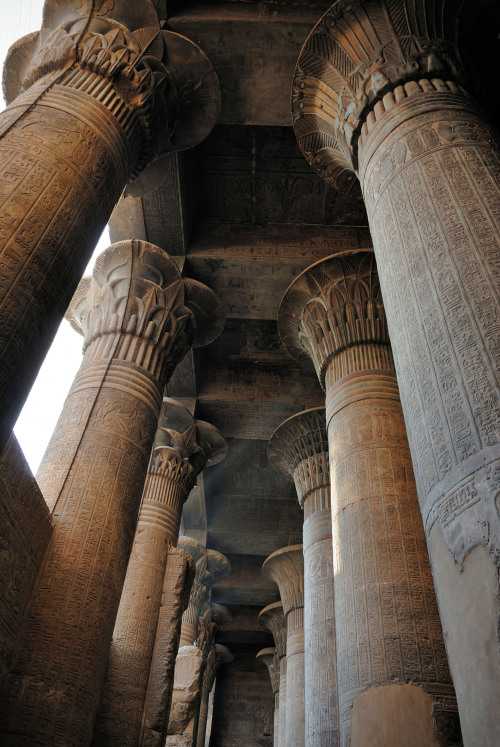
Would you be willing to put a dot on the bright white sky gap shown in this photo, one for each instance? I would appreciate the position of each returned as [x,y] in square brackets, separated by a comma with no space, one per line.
[44,404]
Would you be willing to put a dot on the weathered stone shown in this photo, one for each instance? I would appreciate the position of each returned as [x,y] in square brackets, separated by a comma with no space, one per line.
[136,327]
[396,112]
[387,622]
[269,657]
[286,568]
[299,449]
[182,447]
[179,576]
[93,102]
[189,668]
[273,619]
[25,530]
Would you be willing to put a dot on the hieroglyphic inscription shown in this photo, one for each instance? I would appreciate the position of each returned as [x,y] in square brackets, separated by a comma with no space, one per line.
[78,589]
[380,558]
[321,718]
[59,179]
[24,532]
[438,213]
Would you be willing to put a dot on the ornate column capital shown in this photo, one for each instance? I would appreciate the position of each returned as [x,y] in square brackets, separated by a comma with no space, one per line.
[331,307]
[137,308]
[269,657]
[210,621]
[362,58]
[119,55]
[298,449]
[184,446]
[210,566]
[286,568]
[216,656]
[272,618]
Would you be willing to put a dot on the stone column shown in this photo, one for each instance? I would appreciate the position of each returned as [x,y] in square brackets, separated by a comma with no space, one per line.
[217,655]
[272,618]
[269,657]
[387,621]
[286,568]
[91,101]
[137,326]
[298,449]
[429,171]
[197,631]
[183,446]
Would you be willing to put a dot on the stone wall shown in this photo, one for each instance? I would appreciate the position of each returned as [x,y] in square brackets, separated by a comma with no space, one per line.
[243,711]
[24,532]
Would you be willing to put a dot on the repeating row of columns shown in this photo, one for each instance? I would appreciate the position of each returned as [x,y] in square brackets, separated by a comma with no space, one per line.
[92,98]
[272,618]
[375,597]
[183,447]
[192,682]
[136,317]
[379,95]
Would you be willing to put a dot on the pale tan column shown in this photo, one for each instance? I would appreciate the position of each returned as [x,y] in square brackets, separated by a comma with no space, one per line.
[429,169]
[182,448]
[217,656]
[387,621]
[136,327]
[298,449]
[92,98]
[272,618]
[269,657]
[286,568]
[197,631]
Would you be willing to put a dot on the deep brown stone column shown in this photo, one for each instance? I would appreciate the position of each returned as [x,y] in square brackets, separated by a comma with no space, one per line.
[183,446]
[217,655]
[298,449]
[269,657]
[286,568]
[387,621]
[136,327]
[272,618]
[430,171]
[197,631]
[177,583]
[91,102]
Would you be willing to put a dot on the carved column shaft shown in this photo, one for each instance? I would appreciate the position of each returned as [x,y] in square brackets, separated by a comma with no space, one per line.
[273,619]
[179,576]
[286,568]
[192,659]
[393,109]
[387,623]
[68,146]
[91,102]
[299,449]
[269,657]
[93,475]
[182,447]
[218,655]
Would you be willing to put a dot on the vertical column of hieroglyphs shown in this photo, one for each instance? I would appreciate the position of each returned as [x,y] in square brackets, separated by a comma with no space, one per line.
[136,323]
[215,655]
[269,657]
[198,627]
[91,102]
[298,448]
[182,447]
[272,618]
[429,169]
[387,622]
[286,568]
